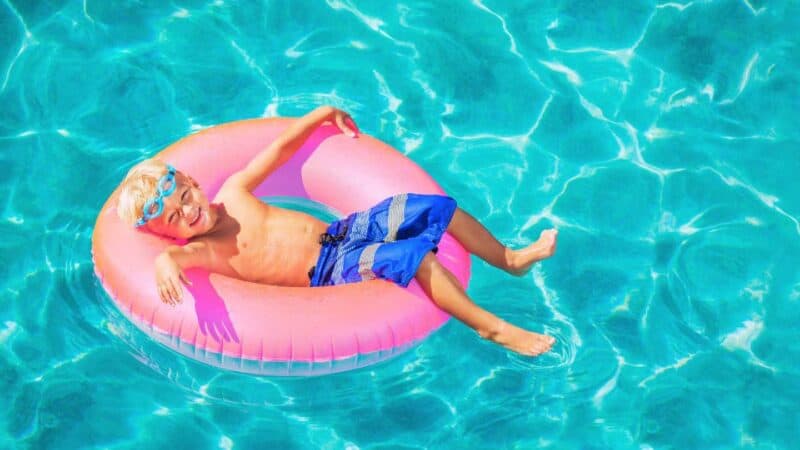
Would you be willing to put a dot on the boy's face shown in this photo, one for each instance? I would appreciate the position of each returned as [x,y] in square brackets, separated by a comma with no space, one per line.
[186,213]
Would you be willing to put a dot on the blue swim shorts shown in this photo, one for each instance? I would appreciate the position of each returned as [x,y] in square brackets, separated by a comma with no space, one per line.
[387,241]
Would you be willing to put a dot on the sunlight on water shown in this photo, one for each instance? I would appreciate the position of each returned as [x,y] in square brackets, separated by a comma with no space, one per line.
[661,140]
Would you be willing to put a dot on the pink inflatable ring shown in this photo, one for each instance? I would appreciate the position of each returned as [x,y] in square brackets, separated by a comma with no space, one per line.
[276,330]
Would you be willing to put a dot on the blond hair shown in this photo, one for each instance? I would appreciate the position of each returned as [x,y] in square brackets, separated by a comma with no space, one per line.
[139,186]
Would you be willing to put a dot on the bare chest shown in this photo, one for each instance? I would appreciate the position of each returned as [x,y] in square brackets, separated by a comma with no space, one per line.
[269,245]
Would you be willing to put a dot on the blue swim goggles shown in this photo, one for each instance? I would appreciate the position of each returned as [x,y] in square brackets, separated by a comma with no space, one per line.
[155,206]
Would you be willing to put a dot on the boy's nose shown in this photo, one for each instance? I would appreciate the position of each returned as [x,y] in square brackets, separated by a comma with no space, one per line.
[187,210]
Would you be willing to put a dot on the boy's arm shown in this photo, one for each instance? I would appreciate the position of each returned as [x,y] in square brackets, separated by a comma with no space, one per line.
[279,151]
[169,268]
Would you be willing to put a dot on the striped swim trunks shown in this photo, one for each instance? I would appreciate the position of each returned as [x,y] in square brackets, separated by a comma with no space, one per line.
[387,241]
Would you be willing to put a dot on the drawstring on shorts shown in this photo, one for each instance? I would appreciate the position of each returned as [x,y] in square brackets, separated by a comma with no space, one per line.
[328,239]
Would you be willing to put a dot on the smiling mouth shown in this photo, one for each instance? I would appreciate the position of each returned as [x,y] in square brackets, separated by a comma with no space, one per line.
[197,219]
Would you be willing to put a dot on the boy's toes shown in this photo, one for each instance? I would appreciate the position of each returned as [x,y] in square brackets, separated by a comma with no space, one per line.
[548,235]
[543,344]
[547,241]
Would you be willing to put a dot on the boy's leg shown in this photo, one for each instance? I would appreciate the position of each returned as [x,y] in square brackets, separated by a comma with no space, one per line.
[480,242]
[446,292]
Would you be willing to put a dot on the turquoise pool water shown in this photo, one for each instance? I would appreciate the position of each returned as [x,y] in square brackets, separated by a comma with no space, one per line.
[661,139]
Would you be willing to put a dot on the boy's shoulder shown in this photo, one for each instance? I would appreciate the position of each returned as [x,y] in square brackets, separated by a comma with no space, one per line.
[232,191]
[239,202]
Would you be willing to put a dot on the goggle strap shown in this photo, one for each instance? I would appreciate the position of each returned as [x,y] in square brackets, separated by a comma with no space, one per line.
[161,192]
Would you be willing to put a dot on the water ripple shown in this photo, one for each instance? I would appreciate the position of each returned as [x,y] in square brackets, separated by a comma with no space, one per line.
[660,138]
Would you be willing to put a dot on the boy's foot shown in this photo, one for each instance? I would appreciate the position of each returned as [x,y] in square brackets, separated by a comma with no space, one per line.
[521,341]
[521,260]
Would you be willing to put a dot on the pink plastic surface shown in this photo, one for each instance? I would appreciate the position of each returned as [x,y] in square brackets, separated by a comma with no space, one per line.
[269,329]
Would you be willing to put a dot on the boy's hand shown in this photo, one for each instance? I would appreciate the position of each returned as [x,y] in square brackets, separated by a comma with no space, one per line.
[344,122]
[168,279]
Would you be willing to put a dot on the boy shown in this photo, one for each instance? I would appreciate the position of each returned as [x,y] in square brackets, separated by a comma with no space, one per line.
[239,236]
